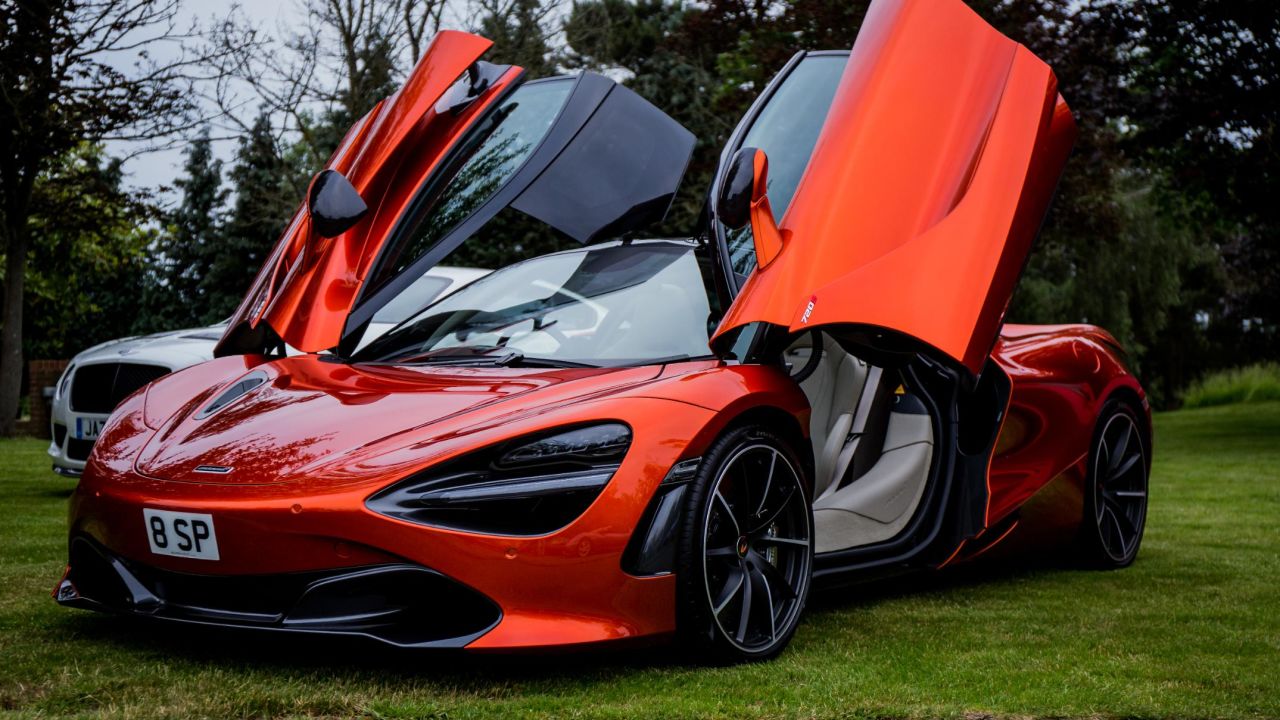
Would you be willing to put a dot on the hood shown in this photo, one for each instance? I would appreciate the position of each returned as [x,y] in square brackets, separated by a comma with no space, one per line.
[941,149]
[288,419]
[461,142]
[194,344]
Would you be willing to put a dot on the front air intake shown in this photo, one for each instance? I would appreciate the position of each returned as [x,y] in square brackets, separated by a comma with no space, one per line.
[235,392]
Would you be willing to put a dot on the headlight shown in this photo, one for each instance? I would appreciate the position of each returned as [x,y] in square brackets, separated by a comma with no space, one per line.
[529,486]
[65,382]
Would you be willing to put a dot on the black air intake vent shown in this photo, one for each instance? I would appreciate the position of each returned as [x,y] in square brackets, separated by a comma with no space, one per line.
[233,393]
[78,449]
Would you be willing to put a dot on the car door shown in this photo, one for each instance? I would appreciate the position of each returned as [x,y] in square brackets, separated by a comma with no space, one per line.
[462,141]
[909,215]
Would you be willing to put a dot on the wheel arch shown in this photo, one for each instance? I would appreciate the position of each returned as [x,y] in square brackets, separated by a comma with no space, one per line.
[782,422]
[738,395]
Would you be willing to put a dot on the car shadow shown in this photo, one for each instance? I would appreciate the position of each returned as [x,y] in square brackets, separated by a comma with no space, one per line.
[60,493]
[355,657]
[984,571]
[296,654]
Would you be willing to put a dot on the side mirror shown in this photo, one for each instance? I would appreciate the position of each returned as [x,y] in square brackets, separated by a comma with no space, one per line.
[743,198]
[334,204]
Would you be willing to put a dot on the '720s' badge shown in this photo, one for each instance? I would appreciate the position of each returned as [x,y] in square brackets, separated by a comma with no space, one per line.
[808,310]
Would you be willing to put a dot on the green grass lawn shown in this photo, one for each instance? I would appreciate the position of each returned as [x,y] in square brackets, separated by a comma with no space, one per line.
[1191,630]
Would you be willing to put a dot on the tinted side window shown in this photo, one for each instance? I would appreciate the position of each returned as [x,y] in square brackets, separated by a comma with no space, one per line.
[787,129]
[521,123]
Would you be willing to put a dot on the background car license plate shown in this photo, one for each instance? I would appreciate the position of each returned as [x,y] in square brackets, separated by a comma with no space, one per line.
[181,534]
[88,428]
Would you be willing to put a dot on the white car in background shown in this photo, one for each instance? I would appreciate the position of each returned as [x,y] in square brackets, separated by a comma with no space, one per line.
[97,379]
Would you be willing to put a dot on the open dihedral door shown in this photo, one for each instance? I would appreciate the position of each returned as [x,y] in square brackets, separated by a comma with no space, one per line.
[928,183]
[308,285]
[581,154]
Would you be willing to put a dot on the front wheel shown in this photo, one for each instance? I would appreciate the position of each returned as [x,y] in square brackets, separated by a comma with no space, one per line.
[746,548]
[1115,501]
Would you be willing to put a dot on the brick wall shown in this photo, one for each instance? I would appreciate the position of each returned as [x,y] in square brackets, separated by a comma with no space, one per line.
[42,374]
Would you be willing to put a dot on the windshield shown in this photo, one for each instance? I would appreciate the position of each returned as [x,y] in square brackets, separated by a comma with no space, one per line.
[414,298]
[613,304]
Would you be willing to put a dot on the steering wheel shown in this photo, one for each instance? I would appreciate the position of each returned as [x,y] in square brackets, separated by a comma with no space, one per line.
[815,357]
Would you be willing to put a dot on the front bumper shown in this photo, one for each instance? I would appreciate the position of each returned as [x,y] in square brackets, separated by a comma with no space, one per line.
[400,604]
[69,449]
[567,588]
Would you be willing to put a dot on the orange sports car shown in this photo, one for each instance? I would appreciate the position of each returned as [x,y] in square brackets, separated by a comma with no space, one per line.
[624,438]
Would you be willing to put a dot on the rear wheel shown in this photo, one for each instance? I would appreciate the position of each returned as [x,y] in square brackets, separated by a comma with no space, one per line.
[1115,503]
[746,548]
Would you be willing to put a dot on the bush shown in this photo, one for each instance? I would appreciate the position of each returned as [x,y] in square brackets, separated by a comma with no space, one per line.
[1254,383]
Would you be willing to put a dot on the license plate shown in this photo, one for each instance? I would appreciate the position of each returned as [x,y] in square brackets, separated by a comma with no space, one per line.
[88,428]
[181,534]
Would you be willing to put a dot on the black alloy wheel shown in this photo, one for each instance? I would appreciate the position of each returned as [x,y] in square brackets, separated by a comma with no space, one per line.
[746,548]
[1116,495]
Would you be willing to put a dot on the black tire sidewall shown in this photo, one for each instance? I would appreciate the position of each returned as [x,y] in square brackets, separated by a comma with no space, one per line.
[1094,549]
[695,626]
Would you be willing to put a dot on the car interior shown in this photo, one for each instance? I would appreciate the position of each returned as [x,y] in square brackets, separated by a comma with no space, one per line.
[872,444]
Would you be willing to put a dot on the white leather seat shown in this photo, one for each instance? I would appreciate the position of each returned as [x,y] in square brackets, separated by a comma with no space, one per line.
[877,505]
[833,391]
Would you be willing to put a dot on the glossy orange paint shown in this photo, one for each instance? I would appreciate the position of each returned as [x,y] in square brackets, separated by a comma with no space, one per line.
[928,182]
[318,438]
[309,284]
[1061,375]
[310,445]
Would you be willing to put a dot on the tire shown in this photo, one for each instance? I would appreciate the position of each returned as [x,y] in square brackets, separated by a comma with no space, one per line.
[744,561]
[1115,498]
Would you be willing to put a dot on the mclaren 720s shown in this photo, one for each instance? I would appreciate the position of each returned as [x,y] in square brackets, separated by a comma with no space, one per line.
[620,438]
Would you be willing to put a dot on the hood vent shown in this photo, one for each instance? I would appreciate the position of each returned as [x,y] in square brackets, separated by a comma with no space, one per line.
[231,394]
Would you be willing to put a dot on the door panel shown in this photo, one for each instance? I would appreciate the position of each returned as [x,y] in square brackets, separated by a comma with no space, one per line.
[308,285]
[610,163]
[928,183]
[461,142]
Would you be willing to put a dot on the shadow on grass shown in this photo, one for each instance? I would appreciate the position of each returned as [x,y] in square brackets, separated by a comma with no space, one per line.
[984,571]
[289,654]
[60,493]
[353,657]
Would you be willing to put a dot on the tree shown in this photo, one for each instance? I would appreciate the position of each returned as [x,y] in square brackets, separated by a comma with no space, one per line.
[314,82]
[87,257]
[63,80]
[186,251]
[519,33]
[1205,107]
[267,194]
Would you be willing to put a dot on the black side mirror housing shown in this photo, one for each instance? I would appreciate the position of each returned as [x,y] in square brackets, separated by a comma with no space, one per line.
[733,207]
[334,204]
[744,199]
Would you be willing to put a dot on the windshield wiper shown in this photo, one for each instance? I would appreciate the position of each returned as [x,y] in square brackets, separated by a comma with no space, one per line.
[515,358]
